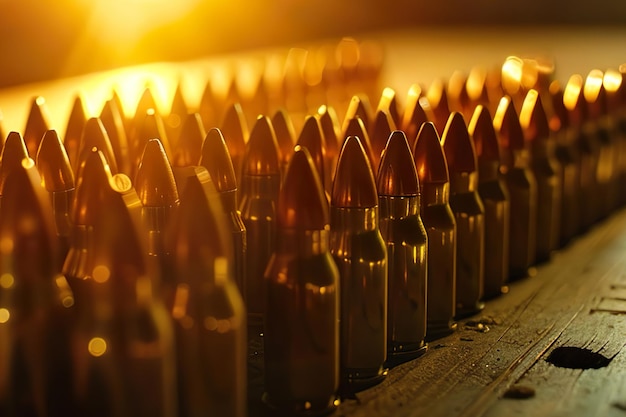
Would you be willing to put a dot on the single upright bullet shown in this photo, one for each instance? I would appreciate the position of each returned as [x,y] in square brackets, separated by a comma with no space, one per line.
[113,122]
[260,186]
[235,130]
[95,136]
[209,315]
[495,196]
[389,104]
[285,136]
[58,179]
[469,214]
[361,256]
[158,194]
[589,151]
[216,159]
[568,154]
[407,250]
[188,148]
[522,186]
[356,127]
[545,167]
[330,128]
[432,170]
[146,102]
[13,152]
[312,138]
[122,340]
[381,129]
[74,130]
[302,321]
[359,107]
[35,302]
[36,125]
[146,128]
[437,96]
[414,115]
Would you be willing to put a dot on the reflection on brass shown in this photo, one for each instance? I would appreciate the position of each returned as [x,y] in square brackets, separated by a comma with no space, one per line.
[302,317]
[361,256]
[432,171]
[407,249]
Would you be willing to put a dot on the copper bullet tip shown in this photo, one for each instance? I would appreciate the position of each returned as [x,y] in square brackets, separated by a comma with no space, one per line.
[483,135]
[154,180]
[96,136]
[301,203]
[36,125]
[330,125]
[507,125]
[430,160]
[285,133]
[414,115]
[189,143]
[397,175]
[354,185]
[235,130]
[457,145]
[438,99]
[54,164]
[13,152]
[595,94]
[359,107]
[94,175]
[533,118]
[311,138]
[574,100]
[262,152]
[216,159]
[356,127]
[382,127]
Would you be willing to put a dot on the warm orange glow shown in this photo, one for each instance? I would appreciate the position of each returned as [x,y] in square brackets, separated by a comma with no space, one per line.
[476,83]
[512,71]
[593,84]
[97,347]
[5,315]
[612,80]
[6,280]
[572,91]
[101,274]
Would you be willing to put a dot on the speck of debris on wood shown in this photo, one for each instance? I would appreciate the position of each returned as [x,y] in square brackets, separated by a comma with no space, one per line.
[477,327]
[467,339]
[520,392]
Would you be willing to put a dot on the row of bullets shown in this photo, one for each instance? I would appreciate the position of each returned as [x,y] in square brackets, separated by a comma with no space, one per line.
[335,250]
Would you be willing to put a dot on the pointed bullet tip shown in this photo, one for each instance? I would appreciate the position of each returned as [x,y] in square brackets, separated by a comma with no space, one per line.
[457,145]
[354,185]
[483,135]
[54,164]
[396,174]
[533,118]
[430,160]
[189,144]
[154,180]
[216,159]
[262,153]
[507,125]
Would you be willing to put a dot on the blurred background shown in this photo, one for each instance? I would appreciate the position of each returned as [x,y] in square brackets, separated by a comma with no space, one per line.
[42,40]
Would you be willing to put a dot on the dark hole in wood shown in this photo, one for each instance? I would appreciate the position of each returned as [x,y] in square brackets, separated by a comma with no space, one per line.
[577,358]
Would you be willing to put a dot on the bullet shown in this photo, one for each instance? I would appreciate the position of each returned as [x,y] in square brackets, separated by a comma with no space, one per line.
[58,179]
[458,97]
[600,125]
[95,136]
[414,115]
[188,149]
[149,127]
[113,122]
[176,116]
[356,127]
[146,103]
[330,128]
[312,138]
[36,125]
[361,256]
[568,155]
[589,151]
[216,160]
[122,340]
[13,152]
[302,318]
[389,104]
[477,89]
[74,130]
[285,136]
[382,126]
[209,108]
[209,315]
[522,186]
[35,302]
[545,167]
[158,194]
[495,197]
[359,107]
[260,186]
[435,211]
[235,130]
[407,250]
[437,96]
[469,214]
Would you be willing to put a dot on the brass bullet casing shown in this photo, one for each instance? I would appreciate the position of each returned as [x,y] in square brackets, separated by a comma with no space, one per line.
[216,159]
[546,168]
[361,256]
[407,250]
[57,177]
[432,170]
[302,319]
[522,186]
[35,303]
[495,196]
[158,194]
[589,151]
[568,155]
[260,187]
[208,311]
[469,214]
